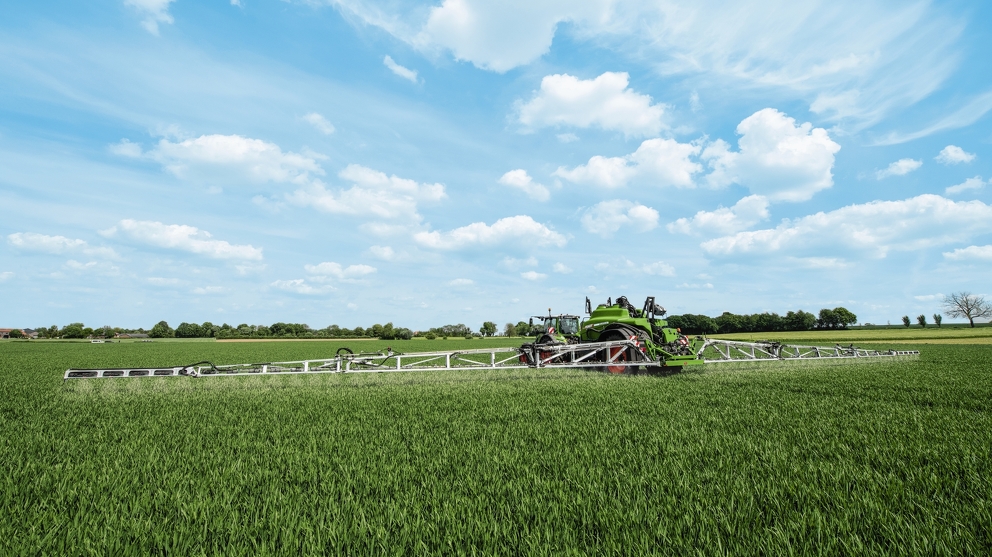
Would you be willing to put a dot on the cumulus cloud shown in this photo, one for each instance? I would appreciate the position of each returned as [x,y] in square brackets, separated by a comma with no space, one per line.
[533,275]
[971,184]
[777,158]
[405,73]
[223,155]
[980,253]
[154,11]
[607,217]
[385,253]
[659,162]
[57,245]
[300,286]
[319,123]
[520,229]
[331,269]
[374,194]
[659,268]
[562,268]
[857,61]
[183,238]
[726,220]
[497,36]
[567,137]
[952,154]
[876,228]
[519,179]
[605,102]
[899,168]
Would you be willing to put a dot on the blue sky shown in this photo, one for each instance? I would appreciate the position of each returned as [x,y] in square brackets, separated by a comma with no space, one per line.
[355,162]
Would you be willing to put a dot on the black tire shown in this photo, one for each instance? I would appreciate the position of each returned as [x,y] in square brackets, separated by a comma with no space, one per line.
[624,357]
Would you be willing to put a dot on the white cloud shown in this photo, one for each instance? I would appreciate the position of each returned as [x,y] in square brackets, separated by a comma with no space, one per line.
[899,168]
[207,290]
[335,270]
[461,282]
[659,268]
[155,12]
[520,229]
[981,253]
[777,158]
[659,162]
[562,268]
[694,286]
[744,214]
[96,267]
[6,275]
[300,286]
[126,149]
[385,253]
[219,156]
[929,297]
[319,122]
[854,61]
[876,227]
[975,183]
[183,238]
[952,154]
[567,137]
[405,73]
[520,180]
[498,36]
[533,275]
[374,194]
[605,102]
[30,241]
[607,217]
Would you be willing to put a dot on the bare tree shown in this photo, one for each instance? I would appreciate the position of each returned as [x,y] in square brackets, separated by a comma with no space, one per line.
[967,305]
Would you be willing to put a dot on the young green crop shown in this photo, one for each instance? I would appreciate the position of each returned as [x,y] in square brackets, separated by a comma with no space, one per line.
[883,457]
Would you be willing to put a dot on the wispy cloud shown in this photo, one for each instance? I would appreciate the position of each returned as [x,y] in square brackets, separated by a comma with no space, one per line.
[405,73]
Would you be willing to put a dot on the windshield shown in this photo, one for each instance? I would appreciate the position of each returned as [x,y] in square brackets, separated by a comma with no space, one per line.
[569,325]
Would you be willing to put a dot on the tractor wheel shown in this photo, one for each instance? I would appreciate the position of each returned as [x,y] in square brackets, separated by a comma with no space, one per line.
[624,354]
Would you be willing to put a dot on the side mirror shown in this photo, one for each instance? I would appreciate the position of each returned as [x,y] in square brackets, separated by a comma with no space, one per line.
[588,306]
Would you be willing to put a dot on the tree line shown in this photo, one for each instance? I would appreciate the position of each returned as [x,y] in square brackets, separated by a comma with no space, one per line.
[727,322]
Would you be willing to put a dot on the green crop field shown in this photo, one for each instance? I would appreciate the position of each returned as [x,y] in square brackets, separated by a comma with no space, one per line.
[889,457]
[915,335]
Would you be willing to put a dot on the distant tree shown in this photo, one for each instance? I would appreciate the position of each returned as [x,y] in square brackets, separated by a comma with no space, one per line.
[967,305]
[509,330]
[845,317]
[691,324]
[522,328]
[162,330]
[767,322]
[16,333]
[358,332]
[937,318]
[922,320]
[430,335]
[799,321]
[906,321]
[402,333]
[188,330]
[73,330]
[731,323]
[488,329]
[827,319]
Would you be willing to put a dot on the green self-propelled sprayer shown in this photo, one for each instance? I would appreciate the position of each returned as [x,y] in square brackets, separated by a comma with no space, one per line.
[640,337]
[616,337]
